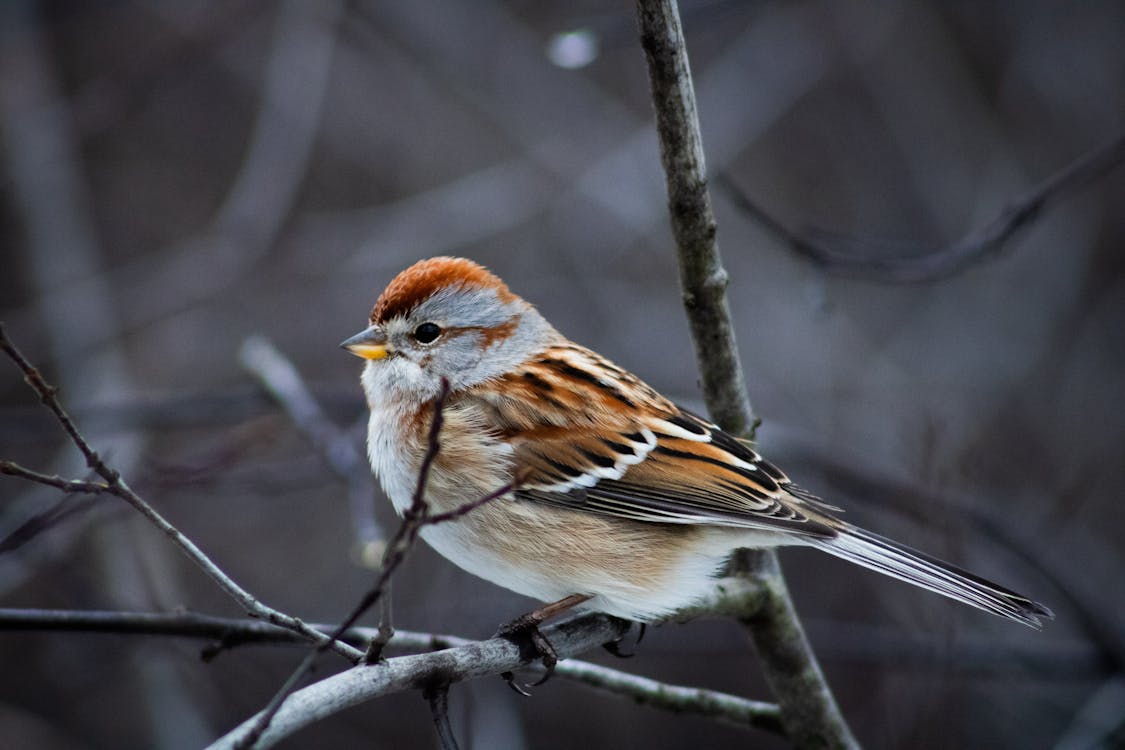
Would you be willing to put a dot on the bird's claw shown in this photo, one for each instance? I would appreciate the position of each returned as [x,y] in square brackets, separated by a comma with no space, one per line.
[614,647]
[524,632]
[510,678]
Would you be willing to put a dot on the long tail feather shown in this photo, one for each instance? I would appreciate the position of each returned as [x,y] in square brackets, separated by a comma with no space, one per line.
[899,561]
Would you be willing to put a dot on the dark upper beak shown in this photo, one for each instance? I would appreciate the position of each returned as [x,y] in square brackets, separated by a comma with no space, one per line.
[368,344]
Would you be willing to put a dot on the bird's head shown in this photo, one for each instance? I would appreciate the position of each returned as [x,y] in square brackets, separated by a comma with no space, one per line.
[445,318]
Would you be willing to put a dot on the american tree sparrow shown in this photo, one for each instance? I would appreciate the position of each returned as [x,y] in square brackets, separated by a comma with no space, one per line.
[626,503]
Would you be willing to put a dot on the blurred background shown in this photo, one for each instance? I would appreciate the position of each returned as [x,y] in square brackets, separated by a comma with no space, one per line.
[178,176]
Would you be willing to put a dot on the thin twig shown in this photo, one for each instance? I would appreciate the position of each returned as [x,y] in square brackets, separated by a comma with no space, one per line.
[69,505]
[47,396]
[463,510]
[261,195]
[843,255]
[808,710]
[117,486]
[415,517]
[53,480]
[728,709]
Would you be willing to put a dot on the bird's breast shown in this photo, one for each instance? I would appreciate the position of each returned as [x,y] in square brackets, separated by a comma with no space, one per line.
[471,460]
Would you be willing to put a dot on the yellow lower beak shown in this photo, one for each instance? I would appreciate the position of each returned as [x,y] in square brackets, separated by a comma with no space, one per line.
[369,344]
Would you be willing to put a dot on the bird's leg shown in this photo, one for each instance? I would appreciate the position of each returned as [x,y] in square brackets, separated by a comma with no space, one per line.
[527,627]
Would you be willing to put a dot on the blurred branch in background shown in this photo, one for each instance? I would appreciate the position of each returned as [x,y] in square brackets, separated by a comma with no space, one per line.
[862,258]
[172,411]
[1092,610]
[54,195]
[610,168]
[284,383]
[258,201]
[50,189]
[111,95]
[1100,722]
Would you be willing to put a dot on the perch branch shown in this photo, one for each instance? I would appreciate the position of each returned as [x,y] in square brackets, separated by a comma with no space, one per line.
[469,660]
[1062,659]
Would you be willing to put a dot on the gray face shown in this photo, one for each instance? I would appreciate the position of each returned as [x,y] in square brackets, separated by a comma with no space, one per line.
[478,337]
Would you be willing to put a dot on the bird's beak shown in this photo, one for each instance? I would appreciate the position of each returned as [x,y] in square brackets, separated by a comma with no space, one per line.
[369,344]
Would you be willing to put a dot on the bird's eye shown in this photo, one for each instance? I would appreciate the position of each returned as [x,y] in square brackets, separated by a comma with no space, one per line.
[427,332]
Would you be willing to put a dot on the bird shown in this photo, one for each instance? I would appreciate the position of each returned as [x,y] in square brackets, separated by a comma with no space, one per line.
[610,497]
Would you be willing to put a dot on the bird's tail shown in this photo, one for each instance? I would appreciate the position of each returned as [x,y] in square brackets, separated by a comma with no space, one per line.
[899,561]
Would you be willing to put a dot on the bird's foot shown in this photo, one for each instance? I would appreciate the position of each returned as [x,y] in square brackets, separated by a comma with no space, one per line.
[524,632]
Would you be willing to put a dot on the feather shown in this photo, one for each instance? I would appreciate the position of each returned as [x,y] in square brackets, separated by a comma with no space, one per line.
[587,436]
[899,561]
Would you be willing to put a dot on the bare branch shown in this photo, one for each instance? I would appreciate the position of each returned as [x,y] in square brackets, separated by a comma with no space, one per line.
[261,196]
[280,377]
[711,704]
[808,710]
[462,510]
[675,698]
[53,480]
[703,278]
[414,517]
[846,256]
[365,682]
[188,624]
[47,396]
[116,485]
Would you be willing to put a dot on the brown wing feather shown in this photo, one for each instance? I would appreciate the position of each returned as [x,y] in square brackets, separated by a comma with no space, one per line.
[588,435]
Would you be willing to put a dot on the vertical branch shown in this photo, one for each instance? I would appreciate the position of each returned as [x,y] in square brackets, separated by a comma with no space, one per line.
[702,276]
[808,710]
